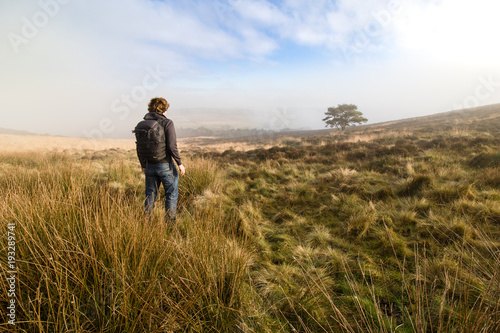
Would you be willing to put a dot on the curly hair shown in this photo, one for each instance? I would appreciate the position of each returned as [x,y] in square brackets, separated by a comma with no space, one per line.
[158,105]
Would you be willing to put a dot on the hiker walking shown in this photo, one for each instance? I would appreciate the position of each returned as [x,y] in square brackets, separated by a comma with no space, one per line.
[157,151]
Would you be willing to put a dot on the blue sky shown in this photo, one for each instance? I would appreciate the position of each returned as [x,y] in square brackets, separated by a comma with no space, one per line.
[89,68]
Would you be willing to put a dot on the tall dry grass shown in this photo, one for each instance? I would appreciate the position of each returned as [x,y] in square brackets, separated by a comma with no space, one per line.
[89,260]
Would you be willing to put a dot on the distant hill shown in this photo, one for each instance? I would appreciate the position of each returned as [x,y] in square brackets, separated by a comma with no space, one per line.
[16,132]
[214,119]
[481,119]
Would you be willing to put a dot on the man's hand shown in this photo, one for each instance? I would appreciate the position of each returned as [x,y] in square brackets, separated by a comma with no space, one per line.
[182,170]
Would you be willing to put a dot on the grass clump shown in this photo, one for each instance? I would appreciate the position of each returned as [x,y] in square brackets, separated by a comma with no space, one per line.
[485,160]
[415,185]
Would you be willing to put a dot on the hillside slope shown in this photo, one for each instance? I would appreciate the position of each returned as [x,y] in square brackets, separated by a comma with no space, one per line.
[481,119]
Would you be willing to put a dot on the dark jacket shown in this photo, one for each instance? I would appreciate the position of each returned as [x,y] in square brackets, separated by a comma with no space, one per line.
[170,138]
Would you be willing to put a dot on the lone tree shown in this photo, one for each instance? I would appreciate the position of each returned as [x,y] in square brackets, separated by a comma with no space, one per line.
[343,115]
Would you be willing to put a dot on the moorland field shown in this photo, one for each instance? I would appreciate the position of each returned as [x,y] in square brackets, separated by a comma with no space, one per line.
[390,227]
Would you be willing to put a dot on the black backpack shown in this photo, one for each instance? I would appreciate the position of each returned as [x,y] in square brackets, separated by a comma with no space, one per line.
[150,140]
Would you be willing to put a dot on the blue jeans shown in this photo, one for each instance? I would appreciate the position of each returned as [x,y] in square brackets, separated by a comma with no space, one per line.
[166,174]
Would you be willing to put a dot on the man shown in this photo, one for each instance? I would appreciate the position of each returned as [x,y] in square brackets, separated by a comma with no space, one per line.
[164,170]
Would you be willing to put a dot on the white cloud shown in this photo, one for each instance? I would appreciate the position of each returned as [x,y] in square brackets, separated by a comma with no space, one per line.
[260,11]
[455,30]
